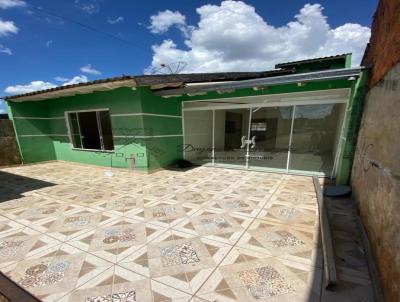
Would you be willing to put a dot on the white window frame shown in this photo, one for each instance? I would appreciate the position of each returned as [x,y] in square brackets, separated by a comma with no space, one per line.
[67,120]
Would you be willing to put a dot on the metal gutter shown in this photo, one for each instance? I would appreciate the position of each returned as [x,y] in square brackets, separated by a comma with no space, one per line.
[333,74]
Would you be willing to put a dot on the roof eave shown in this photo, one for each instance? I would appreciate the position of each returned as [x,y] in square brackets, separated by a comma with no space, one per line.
[332,74]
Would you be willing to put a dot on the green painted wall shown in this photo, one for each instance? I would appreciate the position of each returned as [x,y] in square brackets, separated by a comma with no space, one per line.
[351,127]
[148,127]
[47,139]
[37,147]
[162,151]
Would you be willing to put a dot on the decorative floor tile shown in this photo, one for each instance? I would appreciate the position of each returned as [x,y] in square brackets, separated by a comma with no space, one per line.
[113,285]
[122,204]
[23,245]
[216,226]
[116,240]
[47,276]
[8,226]
[282,241]
[193,197]
[167,214]
[237,204]
[266,279]
[67,227]
[292,215]
[205,234]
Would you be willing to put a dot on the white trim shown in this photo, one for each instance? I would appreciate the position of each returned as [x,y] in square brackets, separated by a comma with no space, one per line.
[270,170]
[248,138]
[348,90]
[142,113]
[37,118]
[213,138]
[147,136]
[34,135]
[89,110]
[93,150]
[183,133]
[339,150]
[290,138]
[271,104]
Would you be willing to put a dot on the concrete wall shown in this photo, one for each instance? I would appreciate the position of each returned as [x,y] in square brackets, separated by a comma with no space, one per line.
[376,177]
[376,169]
[9,152]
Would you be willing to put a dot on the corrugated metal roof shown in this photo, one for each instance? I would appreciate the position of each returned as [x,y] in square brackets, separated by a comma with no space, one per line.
[166,80]
[293,63]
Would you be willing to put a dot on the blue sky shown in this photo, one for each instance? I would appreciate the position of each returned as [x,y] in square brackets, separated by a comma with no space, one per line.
[132,37]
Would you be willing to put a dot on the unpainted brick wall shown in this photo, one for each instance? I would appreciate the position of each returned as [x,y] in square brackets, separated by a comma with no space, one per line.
[9,152]
[383,51]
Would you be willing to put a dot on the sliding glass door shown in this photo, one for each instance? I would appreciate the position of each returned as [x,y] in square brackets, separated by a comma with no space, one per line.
[316,137]
[198,127]
[296,138]
[231,130]
[270,132]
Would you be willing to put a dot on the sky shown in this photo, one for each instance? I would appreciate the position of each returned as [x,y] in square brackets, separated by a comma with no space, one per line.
[48,43]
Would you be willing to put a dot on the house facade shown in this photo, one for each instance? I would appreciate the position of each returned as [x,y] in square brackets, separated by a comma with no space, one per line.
[300,118]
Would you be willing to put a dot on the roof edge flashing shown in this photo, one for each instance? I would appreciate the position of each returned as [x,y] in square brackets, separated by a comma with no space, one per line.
[332,74]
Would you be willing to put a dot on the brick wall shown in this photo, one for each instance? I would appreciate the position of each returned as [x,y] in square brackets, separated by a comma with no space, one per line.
[383,51]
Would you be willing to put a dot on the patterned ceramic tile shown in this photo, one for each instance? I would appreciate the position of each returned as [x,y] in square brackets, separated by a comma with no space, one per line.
[282,241]
[160,237]
[22,246]
[51,275]
[117,240]
[267,279]
[217,226]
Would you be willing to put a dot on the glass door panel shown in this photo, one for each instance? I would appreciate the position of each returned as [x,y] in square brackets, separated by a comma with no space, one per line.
[270,132]
[231,130]
[198,136]
[316,136]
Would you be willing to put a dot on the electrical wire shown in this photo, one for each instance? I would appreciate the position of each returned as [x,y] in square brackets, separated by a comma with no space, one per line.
[87,27]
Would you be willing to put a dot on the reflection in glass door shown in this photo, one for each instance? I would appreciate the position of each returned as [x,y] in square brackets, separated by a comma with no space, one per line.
[231,129]
[316,136]
[296,138]
[198,144]
[270,132]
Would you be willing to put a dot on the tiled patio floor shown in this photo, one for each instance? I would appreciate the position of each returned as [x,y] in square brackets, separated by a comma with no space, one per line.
[70,233]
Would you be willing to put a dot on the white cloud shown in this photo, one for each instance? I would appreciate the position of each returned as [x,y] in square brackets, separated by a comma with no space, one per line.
[7,27]
[233,37]
[32,86]
[5,50]
[4,4]
[90,70]
[42,85]
[48,43]
[88,6]
[61,79]
[76,80]
[162,22]
[116,20]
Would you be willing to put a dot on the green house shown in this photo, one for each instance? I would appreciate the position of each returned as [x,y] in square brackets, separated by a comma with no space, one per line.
[301,117]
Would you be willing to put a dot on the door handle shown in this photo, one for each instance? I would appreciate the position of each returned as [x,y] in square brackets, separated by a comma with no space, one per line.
[253,142]
[243,142]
